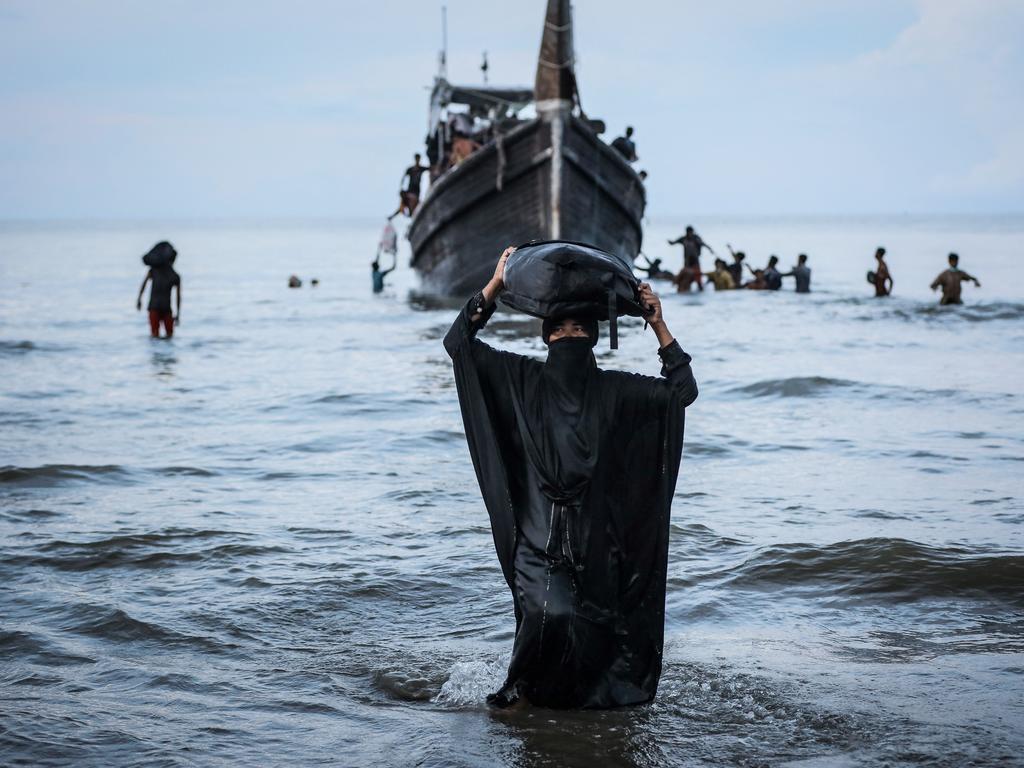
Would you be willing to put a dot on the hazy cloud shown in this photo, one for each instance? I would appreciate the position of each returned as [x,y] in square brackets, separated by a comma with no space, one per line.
[117,108]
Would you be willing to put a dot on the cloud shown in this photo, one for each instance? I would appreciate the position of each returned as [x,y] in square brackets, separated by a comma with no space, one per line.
[314,107]
[963,62]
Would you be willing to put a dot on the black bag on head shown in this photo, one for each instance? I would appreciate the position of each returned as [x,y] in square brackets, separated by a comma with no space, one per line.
[160,255]
[555,278]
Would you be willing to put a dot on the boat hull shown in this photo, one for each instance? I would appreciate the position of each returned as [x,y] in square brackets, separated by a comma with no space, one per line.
[547,179]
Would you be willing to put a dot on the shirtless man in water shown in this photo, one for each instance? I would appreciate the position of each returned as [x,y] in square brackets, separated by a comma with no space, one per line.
[883,281]
[950,281]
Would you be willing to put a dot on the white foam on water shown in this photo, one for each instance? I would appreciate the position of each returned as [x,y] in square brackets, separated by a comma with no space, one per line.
[469,682]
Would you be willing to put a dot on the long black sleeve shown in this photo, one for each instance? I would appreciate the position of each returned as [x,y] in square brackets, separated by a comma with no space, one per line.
[465,329]
[675,367]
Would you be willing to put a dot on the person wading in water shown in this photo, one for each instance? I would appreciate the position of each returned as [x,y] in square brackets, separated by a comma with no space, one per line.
[164,278]
[880,277]
[950,280]
[577,467]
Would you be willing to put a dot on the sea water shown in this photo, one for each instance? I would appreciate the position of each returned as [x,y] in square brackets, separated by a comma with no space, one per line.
[261,542]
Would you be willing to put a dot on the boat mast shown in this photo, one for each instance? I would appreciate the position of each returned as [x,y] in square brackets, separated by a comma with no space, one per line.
[553,92]
[556,80]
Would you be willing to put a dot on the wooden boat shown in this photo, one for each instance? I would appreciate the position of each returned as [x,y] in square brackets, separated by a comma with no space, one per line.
[546,178]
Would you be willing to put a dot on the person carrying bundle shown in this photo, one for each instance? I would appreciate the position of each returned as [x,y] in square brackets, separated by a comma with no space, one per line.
[577,467]
[163,278]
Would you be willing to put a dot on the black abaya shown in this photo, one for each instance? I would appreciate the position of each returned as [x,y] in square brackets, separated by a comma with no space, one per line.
[577,467]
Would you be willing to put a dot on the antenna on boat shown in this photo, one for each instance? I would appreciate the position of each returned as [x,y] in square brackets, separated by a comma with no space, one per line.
[484,67]
[442,57]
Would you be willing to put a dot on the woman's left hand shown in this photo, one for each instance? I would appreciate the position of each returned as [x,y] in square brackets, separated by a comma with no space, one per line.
[649,299]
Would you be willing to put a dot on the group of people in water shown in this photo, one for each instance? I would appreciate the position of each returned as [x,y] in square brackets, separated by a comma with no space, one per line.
[726,276]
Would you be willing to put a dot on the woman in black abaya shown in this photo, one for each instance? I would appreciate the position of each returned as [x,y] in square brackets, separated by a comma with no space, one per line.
[577,467]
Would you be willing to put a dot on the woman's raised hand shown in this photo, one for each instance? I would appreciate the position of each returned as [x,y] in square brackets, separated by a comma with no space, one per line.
[499,271]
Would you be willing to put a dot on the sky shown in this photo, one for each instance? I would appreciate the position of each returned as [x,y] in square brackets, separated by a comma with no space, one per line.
[125,109]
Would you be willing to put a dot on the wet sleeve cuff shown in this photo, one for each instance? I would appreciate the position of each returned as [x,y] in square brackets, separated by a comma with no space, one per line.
[672,357]
[479,304]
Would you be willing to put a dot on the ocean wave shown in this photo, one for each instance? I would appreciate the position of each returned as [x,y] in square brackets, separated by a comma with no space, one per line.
[55,474]
[124,553]
[898,569]
[796,386]
[186,471]
[16,347]
[24,646]
[164,549]
[116,625]
[820,386]
[973,313]
[931,311]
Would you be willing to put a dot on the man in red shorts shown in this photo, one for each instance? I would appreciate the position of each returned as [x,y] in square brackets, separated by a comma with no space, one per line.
[164,278]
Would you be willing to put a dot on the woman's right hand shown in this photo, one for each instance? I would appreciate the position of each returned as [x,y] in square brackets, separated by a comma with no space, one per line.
[498,280]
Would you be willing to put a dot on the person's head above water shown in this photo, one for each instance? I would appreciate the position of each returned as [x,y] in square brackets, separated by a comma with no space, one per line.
[629,131]
[689,230]
[773,260]
[739,256]
[557,329]
[802,258]
[953,259]
[416,157]
[375,265]
[880,253]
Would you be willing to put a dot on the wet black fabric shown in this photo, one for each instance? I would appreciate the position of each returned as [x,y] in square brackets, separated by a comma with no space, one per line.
[577,467]
[162,280]
[559,278]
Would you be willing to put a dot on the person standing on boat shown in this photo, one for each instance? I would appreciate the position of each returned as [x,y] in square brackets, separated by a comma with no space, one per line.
[950,281]
[692,245]
[409,197]
[625,145]
[577,467]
